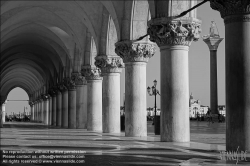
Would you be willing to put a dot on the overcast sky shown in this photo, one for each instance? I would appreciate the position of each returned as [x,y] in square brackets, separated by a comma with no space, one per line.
[198,68]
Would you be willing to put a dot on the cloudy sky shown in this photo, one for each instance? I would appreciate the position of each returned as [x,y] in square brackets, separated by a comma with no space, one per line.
[198,68]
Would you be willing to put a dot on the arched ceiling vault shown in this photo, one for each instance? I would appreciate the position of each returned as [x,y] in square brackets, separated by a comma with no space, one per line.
[40,38]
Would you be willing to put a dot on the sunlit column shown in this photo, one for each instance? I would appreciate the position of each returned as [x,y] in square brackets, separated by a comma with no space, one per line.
[111,67]
[135,55]
[94,99]
[237,43]
[174,36]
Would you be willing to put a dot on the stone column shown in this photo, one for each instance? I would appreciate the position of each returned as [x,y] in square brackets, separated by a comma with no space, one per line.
[213,43]
[50,110]
[174,38]
[135,55]
[72,102]
[41,110]
[81,102]
[236,15]
[65,112]
[54,106]
[46,109]
[35,110]
[94,103]
[111,67]
[58,108]
[3,112]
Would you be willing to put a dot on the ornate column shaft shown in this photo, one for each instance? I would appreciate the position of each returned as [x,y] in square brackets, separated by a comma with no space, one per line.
[94,101]
[174,38]
[135,56]
[65,100]
[111,67]
[213,42]
[236,15]
[72,102]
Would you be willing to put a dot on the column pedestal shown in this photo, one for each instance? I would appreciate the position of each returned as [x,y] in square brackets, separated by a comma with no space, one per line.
[59,109]
[175,125]
[65,111]
[94,105]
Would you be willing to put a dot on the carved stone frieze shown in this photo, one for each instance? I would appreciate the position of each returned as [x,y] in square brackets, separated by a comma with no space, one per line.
[134,51]
[91,73]
[231,7]
[168,32]
[109,64]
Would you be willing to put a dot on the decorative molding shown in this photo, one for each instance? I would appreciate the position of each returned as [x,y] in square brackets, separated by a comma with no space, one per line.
[231,19]
[91,72]
[231,7]
[165,31]
[134,51]
[109,64]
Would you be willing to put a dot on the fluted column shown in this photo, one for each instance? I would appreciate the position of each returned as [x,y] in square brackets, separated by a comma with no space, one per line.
[111,67]
[58,107]
[65,106]
[72,102]
[174,38]
[94,103]
[236,15]
[213,43]
[135,55]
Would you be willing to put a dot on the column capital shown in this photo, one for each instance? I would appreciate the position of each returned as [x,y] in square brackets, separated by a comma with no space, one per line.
[52,91]
[109,64]
[91,72]
[232,7]
[45,97]
[212,42]
[78,78]
[71,85]
[168,32]
[131,51]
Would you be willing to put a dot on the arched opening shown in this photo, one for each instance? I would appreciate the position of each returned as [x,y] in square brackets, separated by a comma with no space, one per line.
[17,103]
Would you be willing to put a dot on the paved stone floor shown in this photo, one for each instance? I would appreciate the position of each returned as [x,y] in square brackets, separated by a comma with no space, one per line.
[37,143]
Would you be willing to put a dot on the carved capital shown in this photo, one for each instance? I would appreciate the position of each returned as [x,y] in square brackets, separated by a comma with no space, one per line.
[52,91]
[71,85]
[231,7]
[45,97]
[168,32]
[91,73]
[212,43]
[109,64]
[134,51]
[78,78]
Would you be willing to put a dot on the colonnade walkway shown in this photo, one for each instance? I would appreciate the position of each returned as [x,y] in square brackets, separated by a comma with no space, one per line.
[101,149]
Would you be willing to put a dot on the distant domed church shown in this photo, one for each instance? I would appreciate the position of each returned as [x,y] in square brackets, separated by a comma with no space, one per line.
[195,108]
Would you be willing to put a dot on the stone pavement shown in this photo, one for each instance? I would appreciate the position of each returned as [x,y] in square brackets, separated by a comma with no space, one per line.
[102,149]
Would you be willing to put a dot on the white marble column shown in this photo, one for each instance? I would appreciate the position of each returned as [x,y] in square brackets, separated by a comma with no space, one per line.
[111,67]
[72,103]
[81,102]
[174,45]
[3,112]
[65,112]
[58,108]
[94,93]
[237,47]
[135,55]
